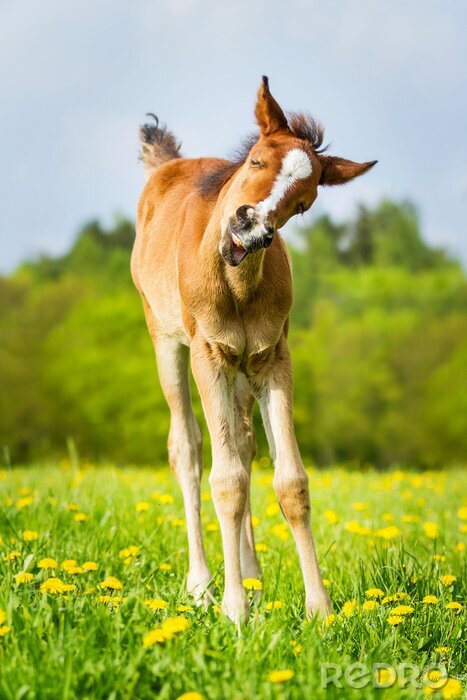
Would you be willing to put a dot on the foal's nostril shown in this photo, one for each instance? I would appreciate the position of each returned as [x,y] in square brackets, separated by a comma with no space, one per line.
[269,231]
[244,213]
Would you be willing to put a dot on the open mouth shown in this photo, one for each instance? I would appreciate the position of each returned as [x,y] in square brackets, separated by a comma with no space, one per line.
[238,249]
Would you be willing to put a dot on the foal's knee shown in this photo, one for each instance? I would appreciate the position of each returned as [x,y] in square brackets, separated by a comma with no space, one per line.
[229,491]
[293,496]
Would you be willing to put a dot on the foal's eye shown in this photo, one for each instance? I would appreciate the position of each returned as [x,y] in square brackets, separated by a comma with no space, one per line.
[256,163]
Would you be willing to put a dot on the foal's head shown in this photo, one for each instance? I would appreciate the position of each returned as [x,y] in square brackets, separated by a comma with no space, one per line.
[278,179]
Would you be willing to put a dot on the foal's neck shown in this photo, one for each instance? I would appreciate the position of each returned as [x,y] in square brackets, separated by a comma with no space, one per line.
[245,279]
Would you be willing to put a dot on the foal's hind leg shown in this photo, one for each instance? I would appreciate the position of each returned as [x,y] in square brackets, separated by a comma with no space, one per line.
[184,454]
[246,445]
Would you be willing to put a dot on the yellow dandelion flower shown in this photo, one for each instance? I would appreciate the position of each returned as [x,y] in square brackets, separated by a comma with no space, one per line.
[433,676]
[330,620]
[402,610]
[280,676]
[104,598]
[261,547]
[212,527]
[4,629]
[296,647]
[385,676]
[165,567]
[326,583]
[75,570]
[274,605]
[460,547]
[174,625]
[410,518]
[69,564]
[360,506]
[30,535]
[395,619]
[206,496]
[113,601]
[431,530]
[463,528]
[24,577]
[11,556]
[184,608]
[55,586]
[142,507]
[90,566]
[255,521]
[331,516]
[394,598]
[24,502]
[111,583]
[191,695]
[155,636]
[439,557]
[454,605]
[156,604]
[281,531]
[388,517]
[448,579]
[374,593]
[72,506]
[443,650]
[369,605]
[272,509]
[131,551]
[48,563]
[449,688]
[80,517]
[349,608]
[462,513]
[165,499]
[253,584]
[357,529]
[388,533]
[430,600]
[2,616]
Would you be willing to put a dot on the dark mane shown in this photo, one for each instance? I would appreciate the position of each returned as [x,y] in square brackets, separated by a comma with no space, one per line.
[211,183]
[302,125]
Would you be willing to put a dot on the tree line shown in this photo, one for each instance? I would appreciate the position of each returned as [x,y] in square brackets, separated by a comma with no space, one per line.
[378,336]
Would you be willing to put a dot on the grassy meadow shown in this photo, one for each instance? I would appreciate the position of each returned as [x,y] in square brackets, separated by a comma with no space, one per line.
[92,601]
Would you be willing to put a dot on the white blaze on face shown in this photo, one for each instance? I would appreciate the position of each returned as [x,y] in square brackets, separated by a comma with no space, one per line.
[296,165]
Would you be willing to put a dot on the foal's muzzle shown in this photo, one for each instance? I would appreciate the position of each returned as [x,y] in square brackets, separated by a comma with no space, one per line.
[247,234]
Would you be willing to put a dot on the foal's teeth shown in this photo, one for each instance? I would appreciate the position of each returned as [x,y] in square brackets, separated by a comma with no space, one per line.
[237,241]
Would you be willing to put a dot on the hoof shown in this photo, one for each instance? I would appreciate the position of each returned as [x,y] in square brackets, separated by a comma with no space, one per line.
[320,606]
[236,607]
[201,589]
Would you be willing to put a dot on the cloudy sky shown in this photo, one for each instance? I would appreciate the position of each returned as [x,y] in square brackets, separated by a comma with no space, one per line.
[388,79]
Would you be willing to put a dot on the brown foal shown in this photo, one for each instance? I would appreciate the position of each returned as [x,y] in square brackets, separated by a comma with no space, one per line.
[216,283]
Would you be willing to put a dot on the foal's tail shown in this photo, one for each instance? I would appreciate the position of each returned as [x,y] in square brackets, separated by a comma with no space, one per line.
[158,145]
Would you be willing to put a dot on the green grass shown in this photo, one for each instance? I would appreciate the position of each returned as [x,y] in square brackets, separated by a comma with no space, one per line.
[74,645]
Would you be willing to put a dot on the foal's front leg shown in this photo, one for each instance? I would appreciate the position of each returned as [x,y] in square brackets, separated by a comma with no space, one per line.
[215,378]
[274,393]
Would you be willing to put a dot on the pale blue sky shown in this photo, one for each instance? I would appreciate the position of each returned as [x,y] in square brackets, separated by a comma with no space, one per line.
[388,79]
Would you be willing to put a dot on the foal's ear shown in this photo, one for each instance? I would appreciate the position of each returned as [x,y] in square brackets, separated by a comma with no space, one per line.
[269,115]
[338,171]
